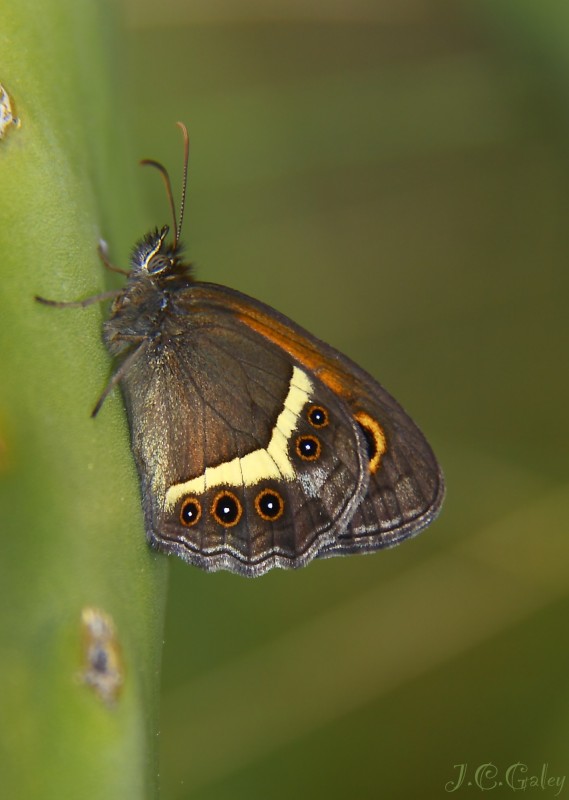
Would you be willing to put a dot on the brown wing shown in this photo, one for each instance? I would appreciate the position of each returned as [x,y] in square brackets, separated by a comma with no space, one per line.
[238,472]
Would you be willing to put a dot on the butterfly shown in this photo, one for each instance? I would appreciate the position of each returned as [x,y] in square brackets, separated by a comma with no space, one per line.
[257,444]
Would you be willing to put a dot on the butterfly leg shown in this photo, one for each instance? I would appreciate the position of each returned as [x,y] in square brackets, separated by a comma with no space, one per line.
[103,252]
[117,376]
[88,301]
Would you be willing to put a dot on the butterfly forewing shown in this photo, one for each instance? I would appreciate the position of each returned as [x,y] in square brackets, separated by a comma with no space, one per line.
[406,486]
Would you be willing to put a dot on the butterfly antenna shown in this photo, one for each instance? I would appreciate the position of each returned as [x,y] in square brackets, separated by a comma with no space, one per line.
[184,179]
[148,162]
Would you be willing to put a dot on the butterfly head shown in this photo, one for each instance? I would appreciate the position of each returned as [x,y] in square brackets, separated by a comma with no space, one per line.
[152,256]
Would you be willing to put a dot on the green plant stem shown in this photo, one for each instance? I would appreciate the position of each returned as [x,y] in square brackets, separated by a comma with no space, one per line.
[71,529]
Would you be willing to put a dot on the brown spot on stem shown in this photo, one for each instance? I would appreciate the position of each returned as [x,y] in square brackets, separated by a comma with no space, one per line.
[8,118]
[103,668]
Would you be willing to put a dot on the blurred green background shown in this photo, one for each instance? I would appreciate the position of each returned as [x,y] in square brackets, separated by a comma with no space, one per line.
[393,176]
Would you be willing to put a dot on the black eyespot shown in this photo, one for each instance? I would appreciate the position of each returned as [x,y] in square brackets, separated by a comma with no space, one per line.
[269,505]
[375,439]
[370,442]
[318,416]
[190,511]
[308,448]
[226,509]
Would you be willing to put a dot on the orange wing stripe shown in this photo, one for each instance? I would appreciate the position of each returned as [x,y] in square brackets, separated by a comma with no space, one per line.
[288,341]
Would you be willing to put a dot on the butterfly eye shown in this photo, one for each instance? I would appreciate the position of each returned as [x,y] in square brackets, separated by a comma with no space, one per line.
[158,264]
[226,509]
[308,448]
[190,512]
[269,505]
[318,417]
